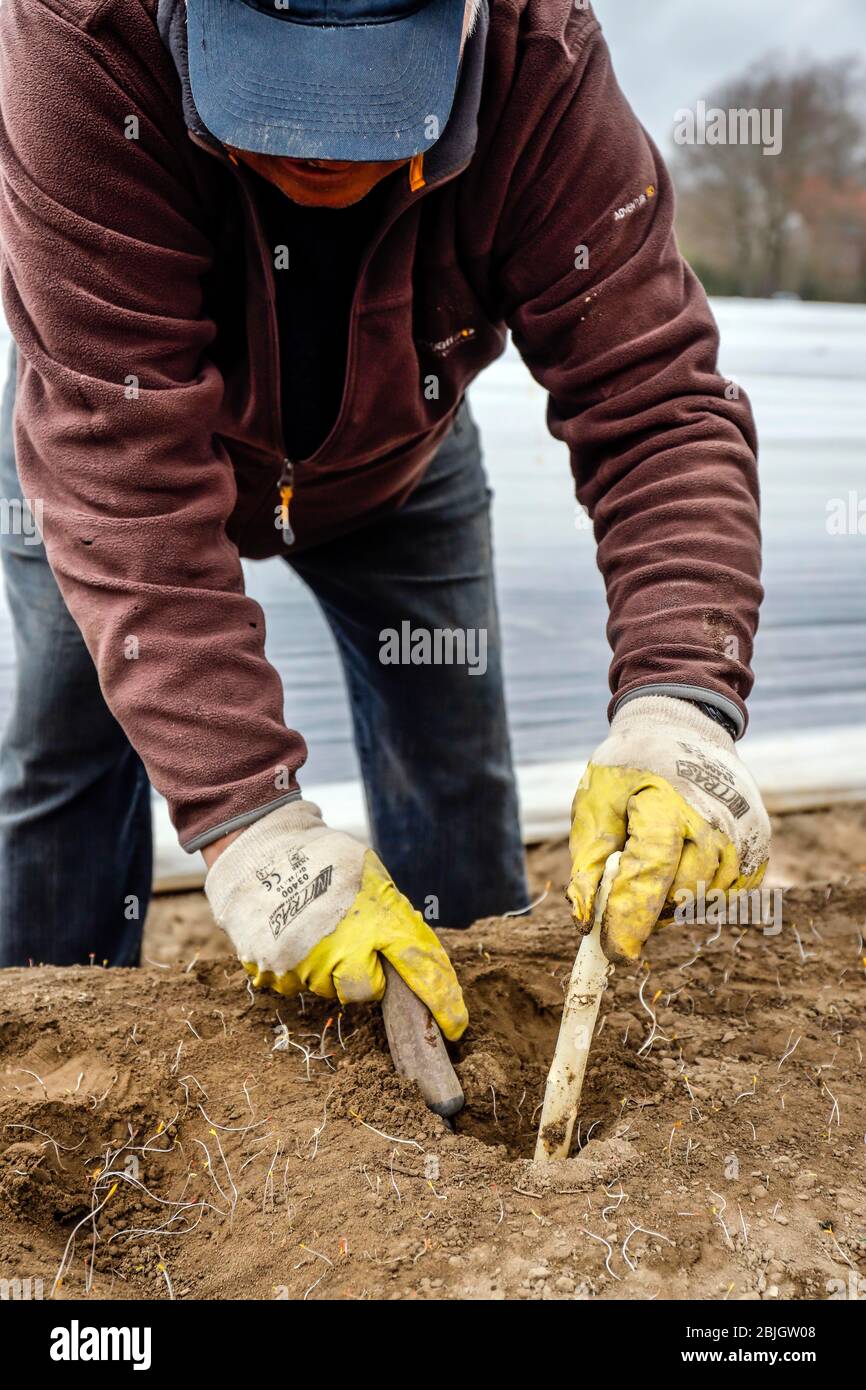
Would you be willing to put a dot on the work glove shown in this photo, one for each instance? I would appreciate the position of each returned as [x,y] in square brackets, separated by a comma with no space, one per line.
[309,908]
[667,788]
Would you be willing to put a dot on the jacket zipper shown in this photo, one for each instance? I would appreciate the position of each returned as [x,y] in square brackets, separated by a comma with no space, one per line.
[286,487]
[286,482]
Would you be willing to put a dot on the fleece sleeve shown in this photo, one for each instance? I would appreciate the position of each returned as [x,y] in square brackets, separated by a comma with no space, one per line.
[616,327]
[103,261]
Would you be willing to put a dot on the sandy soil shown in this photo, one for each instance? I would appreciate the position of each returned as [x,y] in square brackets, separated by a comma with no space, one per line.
[203,1143]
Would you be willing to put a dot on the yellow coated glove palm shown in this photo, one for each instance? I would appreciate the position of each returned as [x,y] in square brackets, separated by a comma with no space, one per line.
[667,788]
[308,907]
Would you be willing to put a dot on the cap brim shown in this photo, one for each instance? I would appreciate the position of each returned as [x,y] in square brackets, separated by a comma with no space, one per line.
[361,92]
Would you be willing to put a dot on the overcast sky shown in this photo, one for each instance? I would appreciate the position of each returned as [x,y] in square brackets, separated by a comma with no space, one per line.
[669,53]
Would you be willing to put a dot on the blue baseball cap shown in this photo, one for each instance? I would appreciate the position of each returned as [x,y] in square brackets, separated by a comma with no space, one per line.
[325,79]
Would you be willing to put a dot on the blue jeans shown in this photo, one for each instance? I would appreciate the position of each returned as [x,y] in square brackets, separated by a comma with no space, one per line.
[75,825]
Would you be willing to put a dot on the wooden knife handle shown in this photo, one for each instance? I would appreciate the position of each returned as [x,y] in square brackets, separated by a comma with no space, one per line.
[417,1046]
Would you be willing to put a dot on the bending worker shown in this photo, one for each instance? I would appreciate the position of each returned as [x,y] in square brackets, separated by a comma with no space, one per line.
[253,254]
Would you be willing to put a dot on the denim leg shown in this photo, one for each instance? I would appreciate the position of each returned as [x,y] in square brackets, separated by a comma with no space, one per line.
[75,831]
[432,739]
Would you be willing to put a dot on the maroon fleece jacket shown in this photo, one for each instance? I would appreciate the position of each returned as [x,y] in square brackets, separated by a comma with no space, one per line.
[139,289]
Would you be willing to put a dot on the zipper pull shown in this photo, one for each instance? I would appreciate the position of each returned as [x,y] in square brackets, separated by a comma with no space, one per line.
[286,487]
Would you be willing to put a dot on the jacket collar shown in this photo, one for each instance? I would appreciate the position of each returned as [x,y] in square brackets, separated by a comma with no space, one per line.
[452,150]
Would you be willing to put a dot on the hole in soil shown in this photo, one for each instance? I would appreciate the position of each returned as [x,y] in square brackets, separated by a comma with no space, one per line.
[502,1061]
[506,1055]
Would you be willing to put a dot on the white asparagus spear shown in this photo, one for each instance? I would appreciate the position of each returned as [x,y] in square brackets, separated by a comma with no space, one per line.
[565,1079]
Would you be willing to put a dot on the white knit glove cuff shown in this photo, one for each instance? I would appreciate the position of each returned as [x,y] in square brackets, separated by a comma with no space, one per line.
[666,711]
[259,843]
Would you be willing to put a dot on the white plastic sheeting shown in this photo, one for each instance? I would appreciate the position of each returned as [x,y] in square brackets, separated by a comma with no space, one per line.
[804,367]
[795,772]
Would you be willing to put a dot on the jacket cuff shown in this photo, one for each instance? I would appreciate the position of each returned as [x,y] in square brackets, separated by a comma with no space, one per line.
[238,822]
[727,706]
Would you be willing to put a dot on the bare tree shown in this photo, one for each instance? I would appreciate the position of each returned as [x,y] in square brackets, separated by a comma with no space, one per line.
[757,223]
